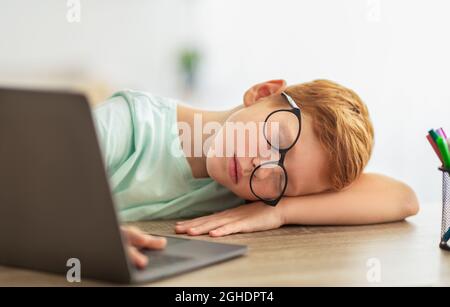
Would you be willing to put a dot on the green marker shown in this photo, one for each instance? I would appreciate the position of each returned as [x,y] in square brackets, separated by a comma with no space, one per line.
[434,135]
[443,147]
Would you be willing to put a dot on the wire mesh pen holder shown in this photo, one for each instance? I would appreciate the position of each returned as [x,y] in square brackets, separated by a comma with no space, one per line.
[445,230]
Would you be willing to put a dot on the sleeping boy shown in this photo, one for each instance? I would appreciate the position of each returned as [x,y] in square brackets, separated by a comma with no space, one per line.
[286,155]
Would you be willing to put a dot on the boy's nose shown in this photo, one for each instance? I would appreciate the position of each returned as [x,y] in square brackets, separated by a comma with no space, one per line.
[263,173]
[256,162]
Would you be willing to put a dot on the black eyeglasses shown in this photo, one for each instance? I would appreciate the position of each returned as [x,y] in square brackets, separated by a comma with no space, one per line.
[269,180]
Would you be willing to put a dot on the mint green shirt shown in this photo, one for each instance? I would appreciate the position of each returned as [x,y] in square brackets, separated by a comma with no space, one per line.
[149,175]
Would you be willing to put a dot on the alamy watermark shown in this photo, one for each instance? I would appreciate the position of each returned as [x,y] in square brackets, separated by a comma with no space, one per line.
[74,272]
[373,274]
[73,14]
[239,139]
[373,11]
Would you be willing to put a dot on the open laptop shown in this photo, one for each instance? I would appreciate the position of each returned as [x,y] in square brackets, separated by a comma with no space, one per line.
[56,203]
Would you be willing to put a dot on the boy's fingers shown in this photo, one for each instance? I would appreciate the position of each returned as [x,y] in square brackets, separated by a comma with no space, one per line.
[138,238]
[203,226]
[182,228]
[133,235]
[185,227]
[147,241]
[179,230]
[227,229]
[201,219]
[139,259]
[196,220]
[154,242]
[208,226]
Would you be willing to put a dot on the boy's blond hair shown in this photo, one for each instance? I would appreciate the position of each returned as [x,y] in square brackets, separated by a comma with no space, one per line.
[342,124]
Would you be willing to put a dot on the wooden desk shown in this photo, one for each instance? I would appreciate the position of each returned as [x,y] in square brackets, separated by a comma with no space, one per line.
[407,254]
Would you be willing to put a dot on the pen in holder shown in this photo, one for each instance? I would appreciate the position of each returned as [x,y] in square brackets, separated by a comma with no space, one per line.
[445,231]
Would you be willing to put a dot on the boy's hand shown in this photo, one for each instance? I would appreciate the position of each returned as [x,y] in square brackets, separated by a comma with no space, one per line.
[256,216]
[137,239]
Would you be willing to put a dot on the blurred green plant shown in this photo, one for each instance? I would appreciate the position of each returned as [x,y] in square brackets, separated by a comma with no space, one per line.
[189,61]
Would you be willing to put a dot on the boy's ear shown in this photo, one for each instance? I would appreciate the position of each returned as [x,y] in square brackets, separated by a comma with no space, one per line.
[261,90]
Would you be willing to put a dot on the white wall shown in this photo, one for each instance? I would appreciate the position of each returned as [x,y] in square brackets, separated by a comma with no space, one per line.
[394,53]
[124,43]
[398,61]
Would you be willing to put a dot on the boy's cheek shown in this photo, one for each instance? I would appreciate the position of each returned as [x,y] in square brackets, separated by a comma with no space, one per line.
[243,192]
[221,176]
[217,170]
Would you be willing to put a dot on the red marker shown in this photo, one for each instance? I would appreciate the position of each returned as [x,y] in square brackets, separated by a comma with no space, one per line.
[436,149]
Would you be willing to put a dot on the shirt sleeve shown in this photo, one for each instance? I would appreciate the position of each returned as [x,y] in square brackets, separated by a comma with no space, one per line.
[114,127]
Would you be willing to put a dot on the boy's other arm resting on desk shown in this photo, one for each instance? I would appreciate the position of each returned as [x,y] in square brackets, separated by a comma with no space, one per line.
[373,198]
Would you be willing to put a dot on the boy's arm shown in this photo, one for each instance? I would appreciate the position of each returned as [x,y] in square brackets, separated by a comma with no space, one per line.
[373,198]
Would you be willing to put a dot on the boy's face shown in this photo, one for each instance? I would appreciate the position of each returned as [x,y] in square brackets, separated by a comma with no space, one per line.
[305,163]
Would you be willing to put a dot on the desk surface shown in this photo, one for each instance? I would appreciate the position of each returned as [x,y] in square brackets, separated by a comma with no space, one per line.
[406,253]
